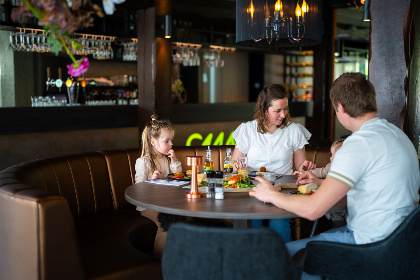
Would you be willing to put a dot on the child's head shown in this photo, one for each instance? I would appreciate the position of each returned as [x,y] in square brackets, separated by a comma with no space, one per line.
[157,138]
[335,147]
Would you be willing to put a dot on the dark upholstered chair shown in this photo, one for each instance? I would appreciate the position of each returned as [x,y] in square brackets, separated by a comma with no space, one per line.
[194,252]
[395,257]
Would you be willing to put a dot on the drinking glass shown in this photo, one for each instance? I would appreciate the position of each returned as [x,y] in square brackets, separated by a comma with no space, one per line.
[11,45]
[22,43]
[243,166]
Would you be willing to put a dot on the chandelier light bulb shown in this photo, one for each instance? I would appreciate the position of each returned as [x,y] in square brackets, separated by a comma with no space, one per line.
[278,9]
[298,12]
[250,11]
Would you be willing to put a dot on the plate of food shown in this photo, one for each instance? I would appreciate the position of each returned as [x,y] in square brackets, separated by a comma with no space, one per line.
[256,173]
[307,189]
[238,183]
[179,176]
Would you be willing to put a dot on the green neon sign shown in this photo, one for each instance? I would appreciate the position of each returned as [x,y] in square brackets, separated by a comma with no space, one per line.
[208,140]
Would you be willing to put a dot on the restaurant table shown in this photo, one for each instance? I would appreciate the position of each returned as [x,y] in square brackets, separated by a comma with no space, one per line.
[238,206]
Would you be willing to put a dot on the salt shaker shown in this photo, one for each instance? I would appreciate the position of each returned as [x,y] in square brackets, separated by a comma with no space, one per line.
[219,185]
[210,184]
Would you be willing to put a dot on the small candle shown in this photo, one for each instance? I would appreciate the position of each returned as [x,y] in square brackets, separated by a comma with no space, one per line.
[298,13]
[278,10]
[305,9]
[250,11]
[267,15]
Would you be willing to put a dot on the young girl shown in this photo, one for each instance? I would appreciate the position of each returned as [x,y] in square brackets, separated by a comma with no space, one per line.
[338,218]
[157,161]
[323,171]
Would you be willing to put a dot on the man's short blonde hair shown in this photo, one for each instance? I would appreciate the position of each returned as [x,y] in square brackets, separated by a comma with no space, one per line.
[356,94]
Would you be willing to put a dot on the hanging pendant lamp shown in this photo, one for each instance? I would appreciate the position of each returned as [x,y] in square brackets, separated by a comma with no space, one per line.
[278,23]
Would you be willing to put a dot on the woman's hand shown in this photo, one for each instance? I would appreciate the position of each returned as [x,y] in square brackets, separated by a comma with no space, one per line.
[307,165]
[235,166]
[171,155]
[308,177]
[298,173]
[235,156]
[264,191]
[156,174]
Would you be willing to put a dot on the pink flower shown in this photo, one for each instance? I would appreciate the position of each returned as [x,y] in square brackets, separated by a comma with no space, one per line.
[82,67]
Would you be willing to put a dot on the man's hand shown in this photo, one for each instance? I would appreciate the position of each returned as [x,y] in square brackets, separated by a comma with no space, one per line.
[263,191]
[308,177]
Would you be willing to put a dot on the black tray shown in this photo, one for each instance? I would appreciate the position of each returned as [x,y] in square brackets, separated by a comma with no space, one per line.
[171,177]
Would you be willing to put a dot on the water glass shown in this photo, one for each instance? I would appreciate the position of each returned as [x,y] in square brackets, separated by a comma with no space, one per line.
[243,166]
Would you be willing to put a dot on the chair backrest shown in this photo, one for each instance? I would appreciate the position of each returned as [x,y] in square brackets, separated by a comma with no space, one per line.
[395,257]
[194,252]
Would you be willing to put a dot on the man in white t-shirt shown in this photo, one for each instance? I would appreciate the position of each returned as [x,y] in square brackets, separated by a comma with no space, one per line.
[377,168]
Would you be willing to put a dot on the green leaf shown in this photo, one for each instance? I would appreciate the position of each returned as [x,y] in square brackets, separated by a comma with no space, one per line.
[56,48]
[51,40]
[76,45]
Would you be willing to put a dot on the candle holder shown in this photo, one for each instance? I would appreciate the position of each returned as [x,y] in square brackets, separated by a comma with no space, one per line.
[194,161]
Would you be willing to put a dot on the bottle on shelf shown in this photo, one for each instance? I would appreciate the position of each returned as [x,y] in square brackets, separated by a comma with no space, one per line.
[228,164]
[208,162]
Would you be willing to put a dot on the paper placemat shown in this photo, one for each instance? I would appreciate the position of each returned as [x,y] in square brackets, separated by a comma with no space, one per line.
[167,182]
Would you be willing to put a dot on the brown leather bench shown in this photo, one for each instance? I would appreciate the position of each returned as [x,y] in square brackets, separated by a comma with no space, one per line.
[67,217]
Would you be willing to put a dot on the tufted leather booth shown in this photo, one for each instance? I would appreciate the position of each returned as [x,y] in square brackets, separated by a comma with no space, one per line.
[67,218]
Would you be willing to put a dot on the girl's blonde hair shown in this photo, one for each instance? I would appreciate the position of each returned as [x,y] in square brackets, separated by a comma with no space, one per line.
[153,130]
[337,144]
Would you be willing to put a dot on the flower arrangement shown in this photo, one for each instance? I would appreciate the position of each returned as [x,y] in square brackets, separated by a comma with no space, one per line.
[178,90]
[60,18]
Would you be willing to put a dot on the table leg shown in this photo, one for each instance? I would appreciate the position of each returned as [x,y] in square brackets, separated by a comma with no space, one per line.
[241,223]
[313,228]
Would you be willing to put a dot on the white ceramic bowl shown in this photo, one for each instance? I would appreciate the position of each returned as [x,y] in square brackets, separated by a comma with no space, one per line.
[269,176]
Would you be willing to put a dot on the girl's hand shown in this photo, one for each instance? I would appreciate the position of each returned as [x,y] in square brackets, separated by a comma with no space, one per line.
[156,174]
[308,177]
[298,173]
[171,155]
[307,165]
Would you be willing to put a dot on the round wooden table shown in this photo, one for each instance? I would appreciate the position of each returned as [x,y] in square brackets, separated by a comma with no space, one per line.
[238,206]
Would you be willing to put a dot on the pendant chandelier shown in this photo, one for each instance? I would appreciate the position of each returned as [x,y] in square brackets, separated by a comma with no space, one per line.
[278,23]
[362,6]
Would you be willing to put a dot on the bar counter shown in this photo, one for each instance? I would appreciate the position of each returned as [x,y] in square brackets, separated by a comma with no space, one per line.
[65,118]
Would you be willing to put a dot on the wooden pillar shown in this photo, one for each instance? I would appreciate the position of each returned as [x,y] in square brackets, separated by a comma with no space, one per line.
[146,66]
[163,65]
[154,58]
[387,68]
[413,55]
[319,123]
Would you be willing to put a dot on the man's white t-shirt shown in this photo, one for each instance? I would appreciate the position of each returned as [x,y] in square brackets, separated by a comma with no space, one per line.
[380,165]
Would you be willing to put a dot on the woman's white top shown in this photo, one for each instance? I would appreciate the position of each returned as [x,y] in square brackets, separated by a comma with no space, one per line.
[144,172]
[275,150]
